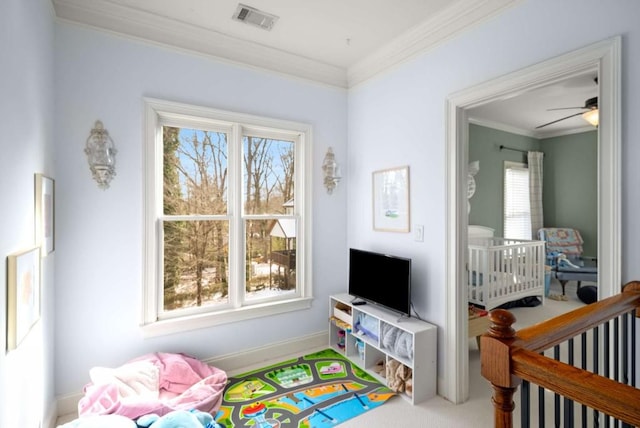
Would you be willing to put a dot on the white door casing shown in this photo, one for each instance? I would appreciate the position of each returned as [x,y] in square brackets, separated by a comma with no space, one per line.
[604,57]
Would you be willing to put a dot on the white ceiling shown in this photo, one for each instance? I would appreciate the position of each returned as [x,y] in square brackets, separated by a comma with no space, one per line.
[337,42]
[523,113]
[335,32]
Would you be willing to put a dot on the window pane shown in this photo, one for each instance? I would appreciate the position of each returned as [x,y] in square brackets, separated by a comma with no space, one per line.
[268,175]
[195,171]
[517,212]
[196,263]
[270,258]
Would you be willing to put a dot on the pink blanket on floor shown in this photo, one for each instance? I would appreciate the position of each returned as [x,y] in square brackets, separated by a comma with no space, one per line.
[154,383]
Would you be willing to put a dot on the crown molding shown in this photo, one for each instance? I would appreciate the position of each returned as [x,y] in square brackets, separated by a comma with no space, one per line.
[154,28]
[553,134]
[540,135]
[502,127]
[442,27]
[149,27]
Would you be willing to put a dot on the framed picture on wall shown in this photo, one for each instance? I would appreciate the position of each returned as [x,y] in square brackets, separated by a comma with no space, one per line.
[23,295]
[44,215]
[391,199]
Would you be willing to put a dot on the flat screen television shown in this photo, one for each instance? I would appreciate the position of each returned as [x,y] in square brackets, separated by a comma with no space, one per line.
[381,279]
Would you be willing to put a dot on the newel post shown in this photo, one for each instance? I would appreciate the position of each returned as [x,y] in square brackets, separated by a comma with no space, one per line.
[632,287]
[495,360]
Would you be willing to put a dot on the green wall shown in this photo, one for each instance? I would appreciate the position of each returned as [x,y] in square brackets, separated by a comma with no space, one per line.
[569,179]
[570,196]
[484,145]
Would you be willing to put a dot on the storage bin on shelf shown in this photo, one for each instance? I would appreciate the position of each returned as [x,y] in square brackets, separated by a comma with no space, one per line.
[343,313]
[367,327]
[397,342]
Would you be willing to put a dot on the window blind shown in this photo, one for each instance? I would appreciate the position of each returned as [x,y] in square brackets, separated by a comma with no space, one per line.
[517,210]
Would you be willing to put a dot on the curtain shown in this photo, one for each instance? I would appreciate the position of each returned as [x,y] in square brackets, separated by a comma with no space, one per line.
[534,160]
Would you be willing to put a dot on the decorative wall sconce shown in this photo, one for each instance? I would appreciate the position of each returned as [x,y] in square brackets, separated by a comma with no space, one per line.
[330,169]
[101,154]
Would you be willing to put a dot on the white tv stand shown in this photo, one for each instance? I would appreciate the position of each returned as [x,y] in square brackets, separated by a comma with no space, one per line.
[422,335]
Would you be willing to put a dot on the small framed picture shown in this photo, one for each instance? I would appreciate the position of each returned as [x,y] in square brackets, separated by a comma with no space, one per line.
[45,213]
[23,295]
[391,200]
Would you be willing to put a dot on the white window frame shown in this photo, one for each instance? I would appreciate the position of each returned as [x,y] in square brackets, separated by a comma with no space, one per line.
[508,165]
[159,113]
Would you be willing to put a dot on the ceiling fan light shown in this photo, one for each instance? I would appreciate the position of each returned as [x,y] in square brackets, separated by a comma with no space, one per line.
[591,116]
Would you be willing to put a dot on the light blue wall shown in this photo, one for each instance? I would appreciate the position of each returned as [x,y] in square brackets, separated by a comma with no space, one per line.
[100,248]
[398,118]
[26,107]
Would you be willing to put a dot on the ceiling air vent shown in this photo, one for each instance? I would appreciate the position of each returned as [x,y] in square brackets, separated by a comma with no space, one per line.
[253,16]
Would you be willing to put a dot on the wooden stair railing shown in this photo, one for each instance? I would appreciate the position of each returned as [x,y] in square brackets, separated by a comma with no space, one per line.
[508,357]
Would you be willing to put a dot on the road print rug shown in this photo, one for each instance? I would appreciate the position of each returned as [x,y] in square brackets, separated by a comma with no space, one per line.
[317,390]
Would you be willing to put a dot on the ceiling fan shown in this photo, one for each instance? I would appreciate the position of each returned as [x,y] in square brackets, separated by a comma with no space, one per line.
[591,115]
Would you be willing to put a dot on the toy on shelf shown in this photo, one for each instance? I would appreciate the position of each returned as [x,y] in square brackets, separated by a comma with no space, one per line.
[341,334]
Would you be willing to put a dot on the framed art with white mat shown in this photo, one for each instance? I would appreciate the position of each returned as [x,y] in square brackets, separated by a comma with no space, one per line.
[391,200]
[23,295]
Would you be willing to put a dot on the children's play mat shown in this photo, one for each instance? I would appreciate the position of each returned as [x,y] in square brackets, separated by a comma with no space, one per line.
[317,390]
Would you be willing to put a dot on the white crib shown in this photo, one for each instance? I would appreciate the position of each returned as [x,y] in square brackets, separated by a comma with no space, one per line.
[502,270]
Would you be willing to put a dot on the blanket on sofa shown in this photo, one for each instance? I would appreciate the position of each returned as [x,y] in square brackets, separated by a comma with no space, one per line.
[154,383]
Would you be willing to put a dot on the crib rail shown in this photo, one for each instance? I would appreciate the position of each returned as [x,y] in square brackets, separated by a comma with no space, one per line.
[502,270]
[531,356]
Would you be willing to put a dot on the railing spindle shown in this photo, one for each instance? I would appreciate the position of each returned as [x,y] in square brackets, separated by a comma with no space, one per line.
[596,368]
[607,355]
[625,349]
[556,396]
[541,406]
[568,404]
[583,366]
[633,347]
[525,403]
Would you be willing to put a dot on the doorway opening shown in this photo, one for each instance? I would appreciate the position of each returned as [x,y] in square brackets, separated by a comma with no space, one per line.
[603,57]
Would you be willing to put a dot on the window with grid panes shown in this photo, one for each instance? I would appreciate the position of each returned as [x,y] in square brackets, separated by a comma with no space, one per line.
[227,236]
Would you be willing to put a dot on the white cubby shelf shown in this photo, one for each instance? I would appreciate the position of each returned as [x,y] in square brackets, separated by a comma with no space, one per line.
[418,335]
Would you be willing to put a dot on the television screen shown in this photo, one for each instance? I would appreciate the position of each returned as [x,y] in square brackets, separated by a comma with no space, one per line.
[381,278]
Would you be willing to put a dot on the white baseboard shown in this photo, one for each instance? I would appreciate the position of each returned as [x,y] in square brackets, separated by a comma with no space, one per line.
[68,404]
[50,417]
[240,360]
[233,362]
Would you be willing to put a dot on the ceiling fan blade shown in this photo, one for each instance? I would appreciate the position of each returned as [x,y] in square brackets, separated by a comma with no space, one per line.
[558,120]
[566,108]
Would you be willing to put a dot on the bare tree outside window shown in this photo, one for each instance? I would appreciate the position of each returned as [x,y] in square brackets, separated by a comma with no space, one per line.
[270,241]
[196,225]
[195,250]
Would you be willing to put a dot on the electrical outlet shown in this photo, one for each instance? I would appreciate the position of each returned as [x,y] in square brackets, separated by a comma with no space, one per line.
[419,233]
